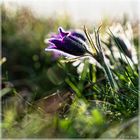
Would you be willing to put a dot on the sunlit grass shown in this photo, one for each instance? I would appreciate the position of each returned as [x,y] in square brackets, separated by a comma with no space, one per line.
[47,97]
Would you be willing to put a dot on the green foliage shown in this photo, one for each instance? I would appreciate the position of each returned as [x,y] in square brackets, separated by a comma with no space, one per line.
[103,101]
[23,47]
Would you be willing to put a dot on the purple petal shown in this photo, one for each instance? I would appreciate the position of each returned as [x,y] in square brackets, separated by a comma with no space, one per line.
[67,43]
[56,42]
[62,32]
[72,46]
[58,52]
[51,47]
[78,35]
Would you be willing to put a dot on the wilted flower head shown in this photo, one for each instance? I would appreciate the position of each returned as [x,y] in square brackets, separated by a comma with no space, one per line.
[67,43]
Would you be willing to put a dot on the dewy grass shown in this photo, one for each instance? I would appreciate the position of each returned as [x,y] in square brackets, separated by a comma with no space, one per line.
[121,50]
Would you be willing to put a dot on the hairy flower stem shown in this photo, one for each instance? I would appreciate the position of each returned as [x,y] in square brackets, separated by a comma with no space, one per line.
[106,70]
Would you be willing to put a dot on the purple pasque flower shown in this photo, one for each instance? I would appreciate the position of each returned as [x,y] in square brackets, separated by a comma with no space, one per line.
[67,43]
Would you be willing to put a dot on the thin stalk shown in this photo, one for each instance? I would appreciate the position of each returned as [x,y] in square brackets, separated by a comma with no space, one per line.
[105,66]
[101,56]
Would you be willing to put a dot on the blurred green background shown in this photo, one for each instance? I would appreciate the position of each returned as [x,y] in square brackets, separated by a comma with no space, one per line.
[27,63]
